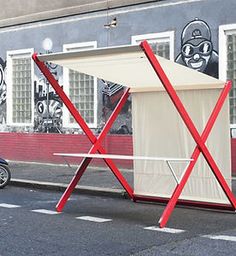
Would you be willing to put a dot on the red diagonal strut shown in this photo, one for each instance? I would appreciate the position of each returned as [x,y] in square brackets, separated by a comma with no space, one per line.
[96,142]
[200,141]
[97,146]
[179,188]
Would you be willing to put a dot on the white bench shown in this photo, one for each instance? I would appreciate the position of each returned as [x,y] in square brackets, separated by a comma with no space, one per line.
[168,160]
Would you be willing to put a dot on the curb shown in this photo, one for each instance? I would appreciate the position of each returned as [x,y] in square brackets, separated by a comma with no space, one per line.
[89,190]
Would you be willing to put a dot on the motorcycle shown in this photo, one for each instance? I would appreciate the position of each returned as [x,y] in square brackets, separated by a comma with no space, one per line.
[5,174]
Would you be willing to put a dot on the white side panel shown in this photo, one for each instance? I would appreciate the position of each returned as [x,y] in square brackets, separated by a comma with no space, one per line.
[159,131]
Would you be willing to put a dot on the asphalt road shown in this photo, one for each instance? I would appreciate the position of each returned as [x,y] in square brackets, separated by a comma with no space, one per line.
[92,225]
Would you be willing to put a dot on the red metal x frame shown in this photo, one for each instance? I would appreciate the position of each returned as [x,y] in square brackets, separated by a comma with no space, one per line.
[200,140]
[96,141]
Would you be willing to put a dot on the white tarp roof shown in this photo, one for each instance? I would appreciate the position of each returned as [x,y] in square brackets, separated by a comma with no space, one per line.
[129,66]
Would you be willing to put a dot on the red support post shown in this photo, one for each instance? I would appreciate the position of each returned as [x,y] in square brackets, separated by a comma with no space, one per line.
[179,188]
[192,129]
[96,142]
[97,147]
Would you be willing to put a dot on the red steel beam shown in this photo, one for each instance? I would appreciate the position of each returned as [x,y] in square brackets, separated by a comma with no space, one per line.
[97,147]
[95,141]
[192,129]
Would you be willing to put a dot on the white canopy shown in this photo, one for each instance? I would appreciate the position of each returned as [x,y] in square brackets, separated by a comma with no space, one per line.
[128,65]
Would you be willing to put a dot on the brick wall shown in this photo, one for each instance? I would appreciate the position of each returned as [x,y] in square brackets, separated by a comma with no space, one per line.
[33,147]
[36,147]
[233,156]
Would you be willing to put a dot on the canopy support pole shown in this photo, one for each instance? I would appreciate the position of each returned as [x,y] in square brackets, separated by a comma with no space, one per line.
[96,141]
[200,140]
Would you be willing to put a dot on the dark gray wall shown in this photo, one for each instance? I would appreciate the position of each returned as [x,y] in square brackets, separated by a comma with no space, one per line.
[152,17]
[24,11]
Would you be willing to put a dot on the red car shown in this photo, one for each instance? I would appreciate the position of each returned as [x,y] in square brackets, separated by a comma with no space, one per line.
[5,174]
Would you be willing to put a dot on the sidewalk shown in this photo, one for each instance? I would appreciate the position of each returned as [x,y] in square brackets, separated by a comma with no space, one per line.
[57,177]
[97,181]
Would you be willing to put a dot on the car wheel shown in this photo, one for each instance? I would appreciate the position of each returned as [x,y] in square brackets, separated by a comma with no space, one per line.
[5,175]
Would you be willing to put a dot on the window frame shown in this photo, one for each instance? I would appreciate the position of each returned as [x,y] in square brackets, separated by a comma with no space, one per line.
[224,31]
[167,36]
[9,81]
[66,115]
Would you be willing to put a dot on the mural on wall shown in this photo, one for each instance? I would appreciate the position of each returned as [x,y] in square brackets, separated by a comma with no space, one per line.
[111,94]
[197,48]
[3,92]
[48,105]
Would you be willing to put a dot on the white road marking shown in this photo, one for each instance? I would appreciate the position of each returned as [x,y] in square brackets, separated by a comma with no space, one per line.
[93,219]
[166,230]
[9,205]
[45,211]
[221,237]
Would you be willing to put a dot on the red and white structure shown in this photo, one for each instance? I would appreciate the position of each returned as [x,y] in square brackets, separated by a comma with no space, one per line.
[179,115]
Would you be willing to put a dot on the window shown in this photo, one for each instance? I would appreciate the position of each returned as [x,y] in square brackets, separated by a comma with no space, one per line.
[227,64]
[162,43]
[81,89]
[20,102]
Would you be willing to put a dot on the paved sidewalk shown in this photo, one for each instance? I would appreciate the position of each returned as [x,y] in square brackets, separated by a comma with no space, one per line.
[57,177]
[98,181]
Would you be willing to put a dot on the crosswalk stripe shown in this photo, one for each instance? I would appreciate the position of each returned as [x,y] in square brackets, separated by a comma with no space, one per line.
[166,230]
[44,211]
[9,205]
[221,237]
[93,219]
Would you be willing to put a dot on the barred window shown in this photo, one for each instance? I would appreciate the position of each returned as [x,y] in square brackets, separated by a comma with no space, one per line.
[81,89]
[21,88]
[162,44]
[20,103]
[81,93]
[162,49]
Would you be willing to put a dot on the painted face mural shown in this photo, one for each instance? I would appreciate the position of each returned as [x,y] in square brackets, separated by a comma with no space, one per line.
[197,49]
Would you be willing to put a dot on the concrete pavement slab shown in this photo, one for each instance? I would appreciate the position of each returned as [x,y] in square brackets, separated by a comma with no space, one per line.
[57,177]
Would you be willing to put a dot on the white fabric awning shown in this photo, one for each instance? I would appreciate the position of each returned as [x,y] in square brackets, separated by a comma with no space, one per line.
[129,66]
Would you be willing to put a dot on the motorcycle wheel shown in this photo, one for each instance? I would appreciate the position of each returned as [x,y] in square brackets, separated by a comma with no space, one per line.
[5,175]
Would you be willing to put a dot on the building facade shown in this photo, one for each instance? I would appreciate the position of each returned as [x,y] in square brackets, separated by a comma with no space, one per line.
[200,34]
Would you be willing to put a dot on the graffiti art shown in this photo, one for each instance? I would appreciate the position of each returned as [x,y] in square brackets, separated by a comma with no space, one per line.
[111,94]
[3,91]
[197,48]
[48,106]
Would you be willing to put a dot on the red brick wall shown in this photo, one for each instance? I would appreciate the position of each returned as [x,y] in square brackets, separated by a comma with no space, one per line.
[233,156]
[36,147]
